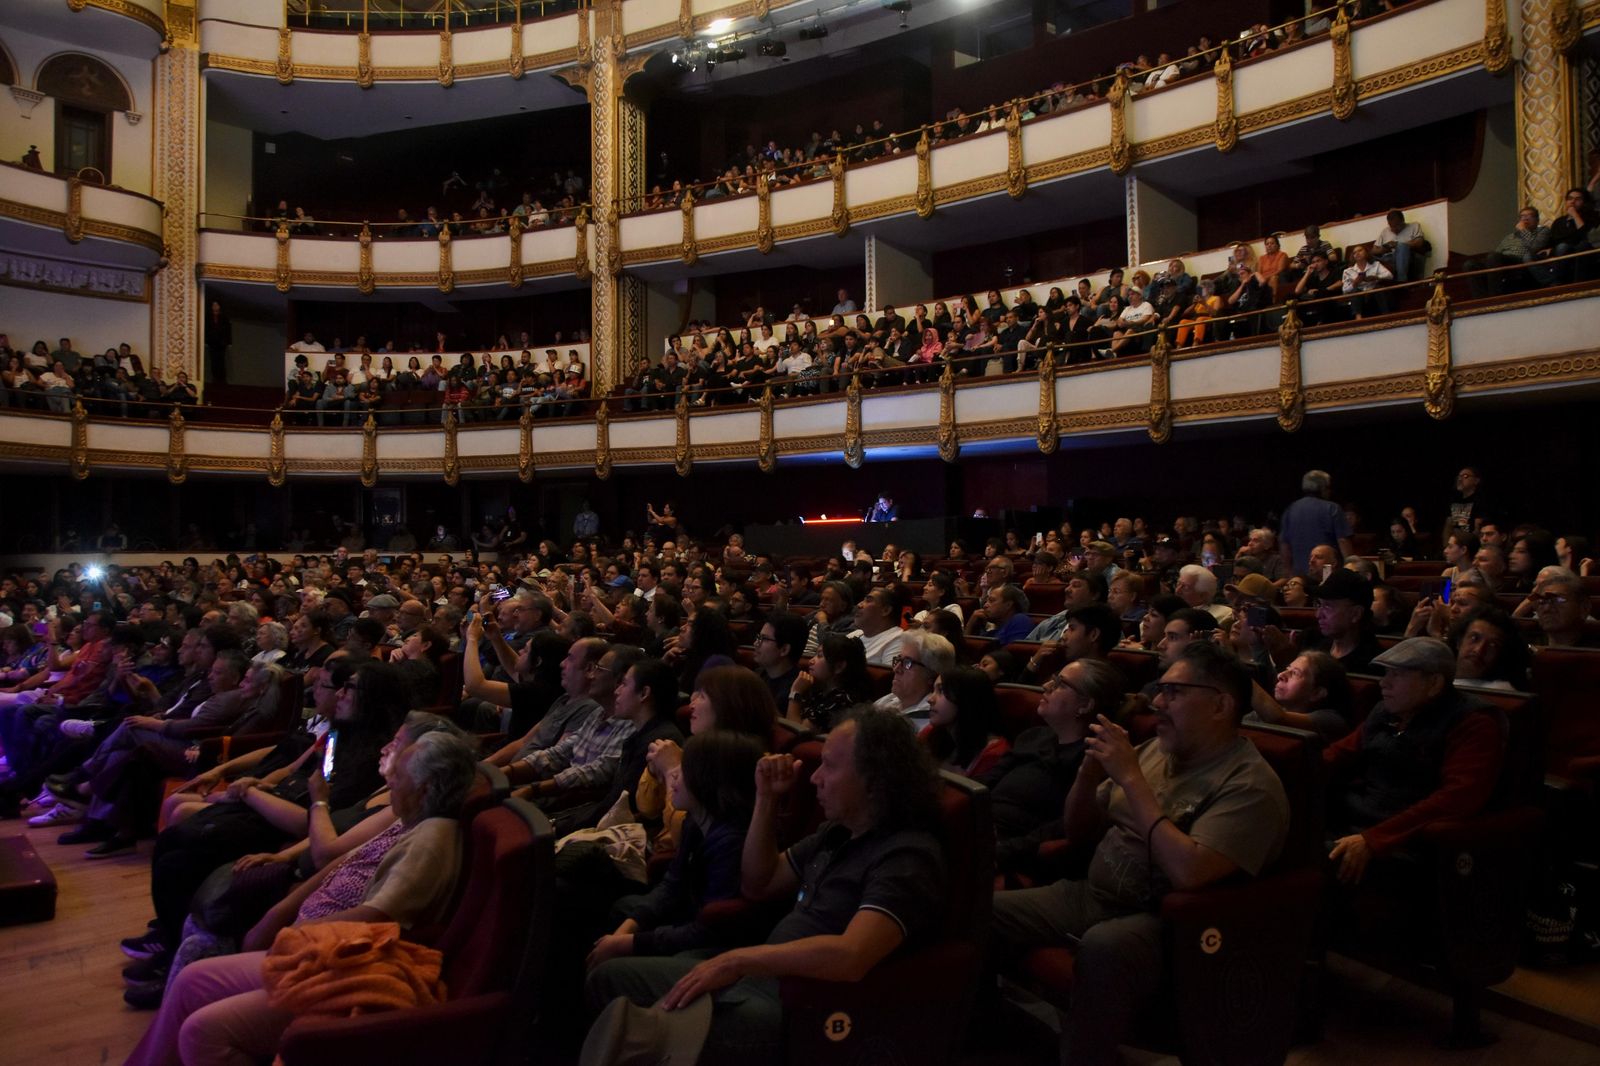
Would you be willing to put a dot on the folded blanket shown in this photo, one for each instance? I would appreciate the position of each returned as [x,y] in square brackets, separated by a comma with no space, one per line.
[348,968]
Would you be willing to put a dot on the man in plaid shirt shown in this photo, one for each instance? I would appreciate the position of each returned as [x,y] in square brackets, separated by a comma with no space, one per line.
[585,759]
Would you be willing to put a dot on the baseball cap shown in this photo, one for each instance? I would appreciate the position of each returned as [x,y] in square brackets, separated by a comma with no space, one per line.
[1346,585]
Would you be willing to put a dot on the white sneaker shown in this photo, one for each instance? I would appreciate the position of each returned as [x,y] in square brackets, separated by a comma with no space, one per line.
[77,728]
[60,814]
[44,800]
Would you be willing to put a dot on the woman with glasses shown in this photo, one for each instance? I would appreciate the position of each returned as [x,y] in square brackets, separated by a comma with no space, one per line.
[963,723]
[1029,784]
[835,682]
[1312,693]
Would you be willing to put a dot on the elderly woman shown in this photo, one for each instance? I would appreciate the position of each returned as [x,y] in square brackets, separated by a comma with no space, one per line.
[273,640]
[218,1010]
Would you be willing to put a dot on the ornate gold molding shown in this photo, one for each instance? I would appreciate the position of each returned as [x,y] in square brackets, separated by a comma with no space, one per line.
[1342,95]
[285,66]
[580,259]
[682,450]
[177,457]
[1016,171]
[1160,420]
[614,242]
[366,281]
[515,62]
[763,214]
[854,453]
[72,223]
[602,440]
[1496,47]
[283,280]
[1226,130]
[452,458]
[127,10]
[78,454]
[1120,154]
[447,272]
[766,444]
[525,446]
[514,267]
[685,19]
[585,50]
[369,451]
[949,435]
[447,62]
[1291,391]
[839,217]
[690,252]
[1566,25]
[276,467]
[91,227]
[925,201]
[364,77]
[1438,381]
[1047,433]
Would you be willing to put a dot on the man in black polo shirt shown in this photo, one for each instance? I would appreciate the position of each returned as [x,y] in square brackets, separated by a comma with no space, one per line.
[869,880]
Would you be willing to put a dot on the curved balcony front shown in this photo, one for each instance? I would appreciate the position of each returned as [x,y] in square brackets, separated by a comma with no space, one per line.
[71,219]
[1434,359]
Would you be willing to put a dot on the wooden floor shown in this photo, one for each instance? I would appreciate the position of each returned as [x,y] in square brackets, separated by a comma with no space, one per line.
[61,988]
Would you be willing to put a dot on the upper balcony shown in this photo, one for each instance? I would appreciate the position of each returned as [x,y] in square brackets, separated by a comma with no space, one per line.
[72,218]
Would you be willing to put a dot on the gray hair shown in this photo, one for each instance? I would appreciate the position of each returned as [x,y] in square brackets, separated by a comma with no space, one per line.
[277,634]
[1204,580]
[1103,685]
[442,768]
[1315,482]
[242,613]
[1558,575]
[934,651]
[419,724]
[1268,537]
[274,676]
[235,661]
[1014,596]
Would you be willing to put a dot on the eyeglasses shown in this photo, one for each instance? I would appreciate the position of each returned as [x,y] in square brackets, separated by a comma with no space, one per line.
[1052,684]
[907,662]
[1172,689]
[1549,599]
[761,638]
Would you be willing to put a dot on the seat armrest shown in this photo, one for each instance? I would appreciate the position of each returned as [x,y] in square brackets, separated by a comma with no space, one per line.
[463,1030]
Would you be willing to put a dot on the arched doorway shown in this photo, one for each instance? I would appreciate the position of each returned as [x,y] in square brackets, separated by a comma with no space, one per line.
[87,93]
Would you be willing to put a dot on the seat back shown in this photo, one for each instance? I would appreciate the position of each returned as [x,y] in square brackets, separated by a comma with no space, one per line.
[1522,772]
[880,678]
[967,833]
[1139,667]
[450,679]
[1298,617]
[798,813]
[1019,708]
[1567,680]
[497,935]
[1295,755]
[1046,599]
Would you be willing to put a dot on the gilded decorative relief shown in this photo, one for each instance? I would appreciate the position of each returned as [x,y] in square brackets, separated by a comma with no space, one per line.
[177,458]
[1342,96]
[766,444]
[949,436]
[364,73]
[602,441]
[1227,125]
[925,203]
[1048,432]
[277,468]
[284,278]
[1566,25]
[1016,172]
[840,215]
[1438,380]
[515,64]
[764,240]
[452,458]
[447,63]
[366,280]
[72,226]
[1291,392]
[1496,37]
[691,252]
[525,446]
[1120,153]
[369,451]
[854,453]
[285,69]
[447,273]
[580,259]
[514,267]
[1159,424]
[78,454]
[682,450]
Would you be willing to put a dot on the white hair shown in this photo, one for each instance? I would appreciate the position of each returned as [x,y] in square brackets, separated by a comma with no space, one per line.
[935,652]
[1204,580]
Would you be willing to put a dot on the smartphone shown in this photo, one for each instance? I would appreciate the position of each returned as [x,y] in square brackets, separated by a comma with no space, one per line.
[327,754]
[41,628]
[1444,591]
[1430,590]
[1257,616]
[498,592]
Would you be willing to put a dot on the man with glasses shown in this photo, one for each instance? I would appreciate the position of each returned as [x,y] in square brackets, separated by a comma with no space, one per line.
[1193,806]
[566,713]
[924,655]
[777,653]
[1003,617]
[877,627]
[585,758]
[1427,751]
[1562,609]
[1083,590]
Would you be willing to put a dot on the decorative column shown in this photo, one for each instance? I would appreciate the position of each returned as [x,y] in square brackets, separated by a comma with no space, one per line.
[1545,106]
[175,311]
[616,179]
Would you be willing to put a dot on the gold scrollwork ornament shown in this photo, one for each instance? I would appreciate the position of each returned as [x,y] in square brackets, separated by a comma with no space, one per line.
[285,65]
[447,273]
[525,445]
[764,234]
[1227,124]
[283,277]
[1438,381]
[1016,172]
[1121,155]
[277,468]
[580,258]
[72,224]
[447,63]
[177,458]
[682,450]
[364,72]
[925,202]
[614,242]
[366,279]
[1496,47]
[1160,424]
[855,452]
[767,445]
[685,19]
[602,440]
[514,266]
[369,451]
[1342,96]
[452,458]
[691,250]
[78,456]
[1291,391]
[517,64]
[949,435]
[1048,433]
[1566,25]
[840,215]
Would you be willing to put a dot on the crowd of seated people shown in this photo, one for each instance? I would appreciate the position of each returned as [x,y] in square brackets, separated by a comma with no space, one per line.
[480,208]
[634,686]
[349,383]
[114,382]
[864,142]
